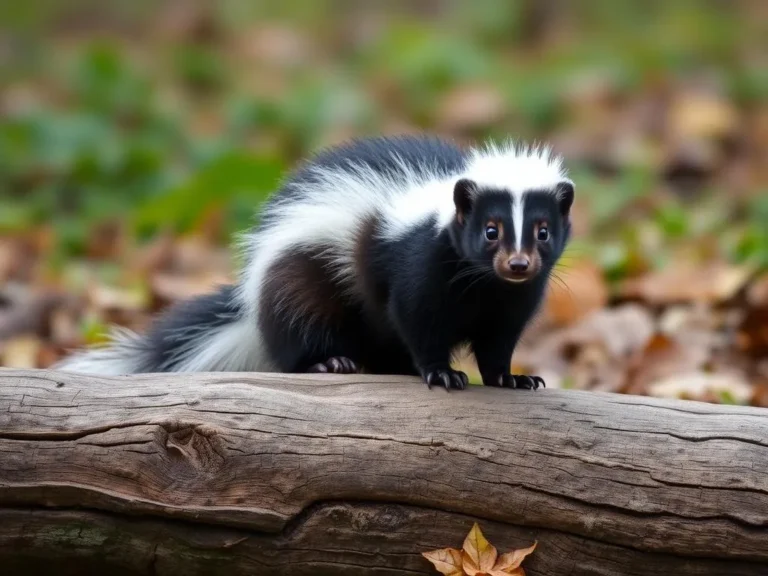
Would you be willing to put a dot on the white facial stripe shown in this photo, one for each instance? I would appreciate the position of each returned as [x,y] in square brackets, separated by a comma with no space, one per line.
[518,208]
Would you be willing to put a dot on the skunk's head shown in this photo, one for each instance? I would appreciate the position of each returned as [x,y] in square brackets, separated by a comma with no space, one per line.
[519,234]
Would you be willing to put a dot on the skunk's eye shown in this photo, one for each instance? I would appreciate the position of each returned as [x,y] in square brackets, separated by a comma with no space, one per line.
[543,234]
[492,233]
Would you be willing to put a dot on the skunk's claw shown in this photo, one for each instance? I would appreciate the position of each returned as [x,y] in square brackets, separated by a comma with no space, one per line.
[520,381]
[447,378]
[335,365]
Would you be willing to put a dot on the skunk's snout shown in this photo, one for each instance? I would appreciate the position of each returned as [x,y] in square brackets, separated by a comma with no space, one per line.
[518,264]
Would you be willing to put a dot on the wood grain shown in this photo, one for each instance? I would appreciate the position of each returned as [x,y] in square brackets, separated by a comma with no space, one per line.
[293,474]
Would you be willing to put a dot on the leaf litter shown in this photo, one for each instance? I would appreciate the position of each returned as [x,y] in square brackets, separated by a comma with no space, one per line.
[125,174]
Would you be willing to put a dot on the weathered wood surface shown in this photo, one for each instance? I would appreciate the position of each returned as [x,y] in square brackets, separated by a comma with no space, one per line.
[267,474]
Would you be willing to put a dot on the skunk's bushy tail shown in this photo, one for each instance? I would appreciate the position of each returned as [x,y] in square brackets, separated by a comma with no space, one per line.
[205,334]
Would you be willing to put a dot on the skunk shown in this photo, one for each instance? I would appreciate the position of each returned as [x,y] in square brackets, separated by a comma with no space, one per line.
[381,255]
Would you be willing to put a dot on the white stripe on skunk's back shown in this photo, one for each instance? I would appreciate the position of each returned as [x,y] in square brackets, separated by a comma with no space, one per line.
[329,212]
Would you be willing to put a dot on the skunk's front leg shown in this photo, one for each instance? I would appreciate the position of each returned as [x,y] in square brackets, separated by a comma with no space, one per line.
[429,339]
[493,353]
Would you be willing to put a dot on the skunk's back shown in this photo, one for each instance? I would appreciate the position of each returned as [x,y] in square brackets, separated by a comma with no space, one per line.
[394,160]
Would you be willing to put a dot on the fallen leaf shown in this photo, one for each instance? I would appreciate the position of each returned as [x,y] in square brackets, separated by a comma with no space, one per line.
[686,283]
[186,22]
[106,297]
[703,386]
[478,554]
[592,353]
[49,355]
[701,115]
[446,560]
[194,254]
[691,160]
[478,558]
[21,352]
[578,290]
[757,293]
[275,45]
[106,240]
[515,572]
[509,563]
[156,255]
[668,355]
[471,107]
[24,311]
[64,325]
[760,395]
[752,335]
[174,287]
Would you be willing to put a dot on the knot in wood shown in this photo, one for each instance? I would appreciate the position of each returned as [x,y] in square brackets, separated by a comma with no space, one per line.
[198,446]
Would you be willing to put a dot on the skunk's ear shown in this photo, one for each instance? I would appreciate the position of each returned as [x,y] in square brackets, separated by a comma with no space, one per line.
[565,192]
[463,195]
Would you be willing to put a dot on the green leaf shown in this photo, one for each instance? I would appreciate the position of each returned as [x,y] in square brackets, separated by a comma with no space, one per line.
[230,178]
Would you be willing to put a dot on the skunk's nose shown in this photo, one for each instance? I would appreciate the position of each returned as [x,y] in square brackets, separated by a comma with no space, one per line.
[519,265]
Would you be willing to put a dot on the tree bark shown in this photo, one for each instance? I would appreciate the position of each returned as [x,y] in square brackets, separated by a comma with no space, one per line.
[296,474]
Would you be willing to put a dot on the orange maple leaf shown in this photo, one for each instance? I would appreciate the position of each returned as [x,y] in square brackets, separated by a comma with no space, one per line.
[446,560]
[478,557]
[509,563]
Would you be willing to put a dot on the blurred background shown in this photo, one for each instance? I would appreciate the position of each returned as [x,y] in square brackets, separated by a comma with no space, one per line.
[136,138]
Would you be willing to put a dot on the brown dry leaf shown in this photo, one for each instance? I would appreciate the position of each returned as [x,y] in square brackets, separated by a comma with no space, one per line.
[593,353]
[514,572]
[106,297]
[509,563]
[760,395]
[582,291]
[691,159]
[17,258]
[752,336]
[156,255]
[446,560]
[684,282]
[757,293]
[702,116]
[478,555]
[64,325]
[106,241]
[21,352]
[667,356]
[704,387]
[24,310]
[275,45]
[471,107]
[478,558]
[194,254]
[174,287]
[183,21]
[49,355]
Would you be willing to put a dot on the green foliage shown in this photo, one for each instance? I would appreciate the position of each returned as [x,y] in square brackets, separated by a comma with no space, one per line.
[199,67]
[161,130]
[104,83]
[234,176]
[673,220]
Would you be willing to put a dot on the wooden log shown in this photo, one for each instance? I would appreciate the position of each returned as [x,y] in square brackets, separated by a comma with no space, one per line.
[293,474]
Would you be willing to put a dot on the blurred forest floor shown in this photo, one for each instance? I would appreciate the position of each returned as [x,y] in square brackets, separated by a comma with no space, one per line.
[137,138]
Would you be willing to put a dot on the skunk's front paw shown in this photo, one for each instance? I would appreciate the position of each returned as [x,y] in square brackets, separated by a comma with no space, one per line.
[521,381]
[335,365]
[448,378]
